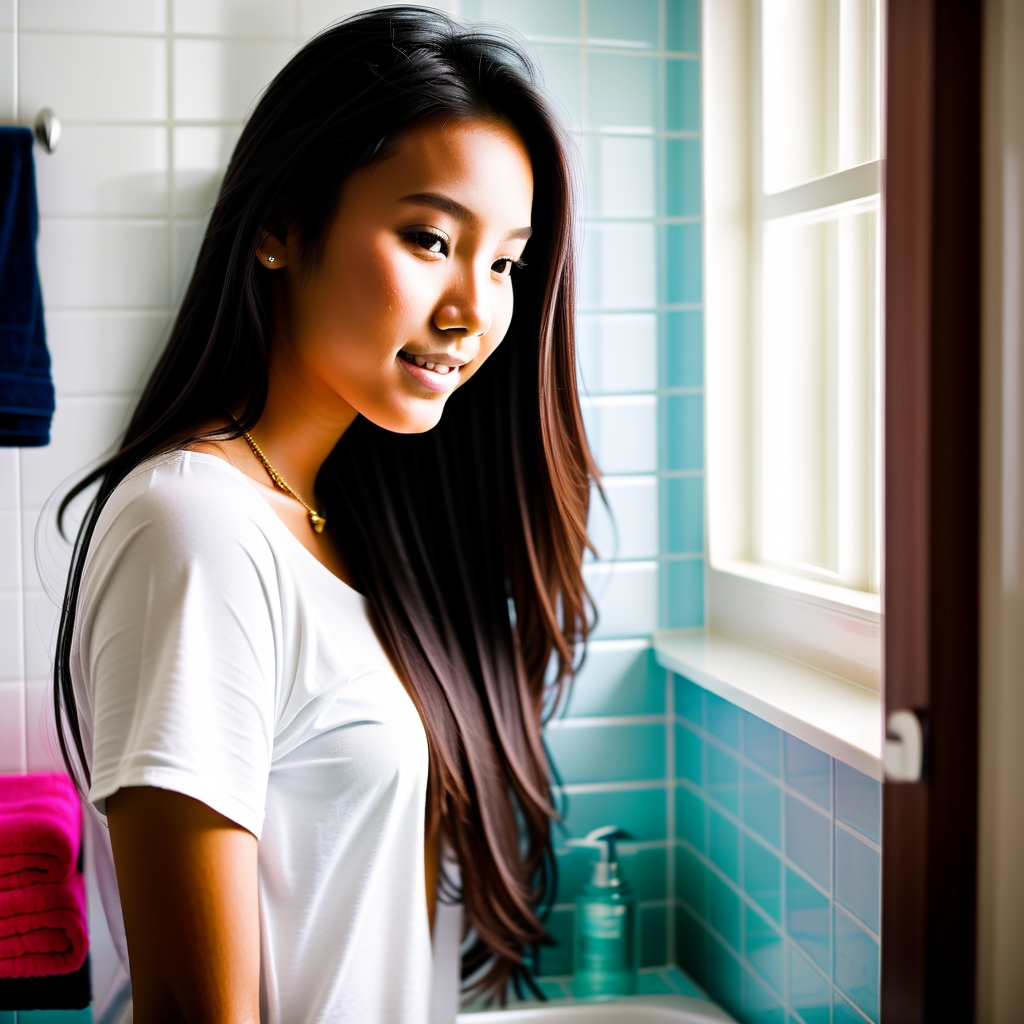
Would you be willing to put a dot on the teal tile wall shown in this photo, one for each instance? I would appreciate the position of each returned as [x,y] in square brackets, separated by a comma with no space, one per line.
[776,874]
[626,77]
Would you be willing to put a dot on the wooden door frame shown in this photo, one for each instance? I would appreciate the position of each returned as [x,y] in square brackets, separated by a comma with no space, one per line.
[932,500]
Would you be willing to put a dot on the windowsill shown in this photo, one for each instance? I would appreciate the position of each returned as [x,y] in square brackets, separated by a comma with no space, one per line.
[864,605]
[809,626]
[838,717]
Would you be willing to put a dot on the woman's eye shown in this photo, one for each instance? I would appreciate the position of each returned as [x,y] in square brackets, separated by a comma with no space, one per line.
[429,241]
[505,265]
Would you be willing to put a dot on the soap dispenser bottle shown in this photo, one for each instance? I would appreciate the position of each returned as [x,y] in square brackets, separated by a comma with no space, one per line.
[605,950]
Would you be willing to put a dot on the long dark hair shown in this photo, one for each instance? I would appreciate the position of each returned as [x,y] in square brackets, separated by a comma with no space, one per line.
[468,540]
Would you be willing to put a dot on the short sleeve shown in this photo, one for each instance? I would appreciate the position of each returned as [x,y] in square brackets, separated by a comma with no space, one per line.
[179,623]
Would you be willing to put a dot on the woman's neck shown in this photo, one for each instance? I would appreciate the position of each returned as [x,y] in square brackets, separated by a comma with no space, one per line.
[301,422]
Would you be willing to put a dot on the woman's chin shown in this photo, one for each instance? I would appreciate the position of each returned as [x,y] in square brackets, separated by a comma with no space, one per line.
[409,421]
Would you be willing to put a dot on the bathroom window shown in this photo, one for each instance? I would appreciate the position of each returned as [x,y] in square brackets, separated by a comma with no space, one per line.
[792,115]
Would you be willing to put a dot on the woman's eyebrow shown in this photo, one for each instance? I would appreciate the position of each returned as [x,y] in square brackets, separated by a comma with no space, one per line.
[457,211]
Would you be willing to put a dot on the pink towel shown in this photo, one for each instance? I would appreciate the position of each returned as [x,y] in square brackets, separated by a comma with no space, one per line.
[43,929]
[40,829]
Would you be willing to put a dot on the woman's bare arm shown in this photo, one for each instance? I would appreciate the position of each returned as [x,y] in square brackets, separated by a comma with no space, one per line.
[188,884]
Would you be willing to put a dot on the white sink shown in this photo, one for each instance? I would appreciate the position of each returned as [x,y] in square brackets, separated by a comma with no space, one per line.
[634,1010]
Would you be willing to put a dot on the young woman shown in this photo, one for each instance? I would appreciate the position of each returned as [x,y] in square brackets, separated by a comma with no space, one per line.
[311,623]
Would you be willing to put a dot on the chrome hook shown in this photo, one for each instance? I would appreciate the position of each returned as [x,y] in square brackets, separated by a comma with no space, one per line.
[47,129]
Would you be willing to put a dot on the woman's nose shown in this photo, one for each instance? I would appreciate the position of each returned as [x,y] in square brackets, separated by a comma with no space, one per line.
[466,305]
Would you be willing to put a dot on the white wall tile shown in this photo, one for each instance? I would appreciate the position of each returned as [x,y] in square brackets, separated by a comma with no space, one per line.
[618,352]
[619,266]
[317,14]
[94,78]
[620,175]
[40,635]
[12,728]
[623,432]
[106,973]
[12,642]
[46,555]
[43,753]
[628,527]
[83,429]
[86,264]
[272,18]
[201,156]
[9,476]
[562,70]
[27,550]
[6,14]
[101,352]
[94,15]
[7,43]
[626,594]
[612,669]
[220,80]
[109,169]
[10,555]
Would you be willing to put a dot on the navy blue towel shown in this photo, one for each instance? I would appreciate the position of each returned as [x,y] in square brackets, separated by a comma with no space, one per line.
[26,390]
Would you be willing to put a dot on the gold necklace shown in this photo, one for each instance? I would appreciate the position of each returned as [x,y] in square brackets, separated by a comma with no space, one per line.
[316,520]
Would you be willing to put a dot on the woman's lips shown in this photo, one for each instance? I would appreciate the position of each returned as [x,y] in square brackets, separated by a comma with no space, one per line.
[440,380]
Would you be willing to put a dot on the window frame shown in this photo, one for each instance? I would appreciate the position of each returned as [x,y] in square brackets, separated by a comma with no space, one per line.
[830,627]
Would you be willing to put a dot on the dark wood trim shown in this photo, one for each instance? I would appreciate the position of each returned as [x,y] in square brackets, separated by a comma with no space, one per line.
[932,450]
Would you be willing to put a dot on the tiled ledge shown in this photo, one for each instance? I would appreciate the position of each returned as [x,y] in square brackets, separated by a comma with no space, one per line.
[838,717]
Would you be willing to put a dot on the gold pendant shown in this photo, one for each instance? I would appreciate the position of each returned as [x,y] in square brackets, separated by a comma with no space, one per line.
[317,522]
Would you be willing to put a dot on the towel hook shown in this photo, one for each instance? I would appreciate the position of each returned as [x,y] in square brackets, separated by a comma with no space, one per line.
[47,129]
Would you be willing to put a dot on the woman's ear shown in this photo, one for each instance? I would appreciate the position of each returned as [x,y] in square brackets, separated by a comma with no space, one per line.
[272,251]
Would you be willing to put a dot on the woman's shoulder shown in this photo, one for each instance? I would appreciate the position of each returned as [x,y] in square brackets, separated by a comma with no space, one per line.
[185,477]
[185,496]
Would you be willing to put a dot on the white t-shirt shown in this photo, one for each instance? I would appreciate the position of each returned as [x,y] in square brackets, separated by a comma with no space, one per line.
[216,657]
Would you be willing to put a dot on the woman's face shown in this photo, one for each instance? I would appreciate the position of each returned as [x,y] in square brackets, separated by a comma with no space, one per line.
[414,288]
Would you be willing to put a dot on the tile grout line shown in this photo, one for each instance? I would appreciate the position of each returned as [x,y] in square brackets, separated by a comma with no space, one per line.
[854,919]
[851,1005]
[857,834]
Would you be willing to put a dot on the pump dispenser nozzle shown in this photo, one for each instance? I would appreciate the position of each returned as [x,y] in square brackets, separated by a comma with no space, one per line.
[606,868]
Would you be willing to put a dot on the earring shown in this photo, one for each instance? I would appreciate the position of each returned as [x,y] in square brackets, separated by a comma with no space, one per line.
[271,259]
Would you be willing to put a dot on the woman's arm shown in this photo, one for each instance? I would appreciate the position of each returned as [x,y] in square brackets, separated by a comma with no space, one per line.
[187,879]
